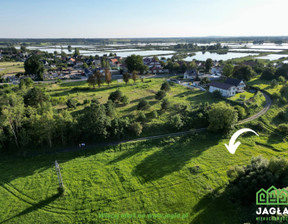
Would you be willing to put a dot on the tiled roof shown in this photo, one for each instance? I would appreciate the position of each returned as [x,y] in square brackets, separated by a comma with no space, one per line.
[221,85]
[234,82]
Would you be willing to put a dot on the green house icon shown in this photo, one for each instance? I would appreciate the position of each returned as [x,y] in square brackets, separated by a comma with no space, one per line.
[272,196]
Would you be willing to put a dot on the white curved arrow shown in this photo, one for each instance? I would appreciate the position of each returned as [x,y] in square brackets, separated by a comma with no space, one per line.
[232,145]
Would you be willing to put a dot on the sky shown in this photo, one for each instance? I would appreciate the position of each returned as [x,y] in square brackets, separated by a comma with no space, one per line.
[142,18]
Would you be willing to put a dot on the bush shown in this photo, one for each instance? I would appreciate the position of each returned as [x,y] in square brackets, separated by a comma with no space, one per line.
[95,101]
[281,79]
[217,94]
[86,101]
[222,117]
[261,173]
[154,114]
[136,128]
[71,103]
[143,105]
[116,96]
[274,83]
[176,122]
[241,112]
[165,86]
[160,95]
[283,128]
[165,105]
[110,108]
[125,100]
[141,116]
[180,106]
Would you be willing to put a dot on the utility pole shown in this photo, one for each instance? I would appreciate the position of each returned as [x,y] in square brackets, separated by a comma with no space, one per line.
[58,171]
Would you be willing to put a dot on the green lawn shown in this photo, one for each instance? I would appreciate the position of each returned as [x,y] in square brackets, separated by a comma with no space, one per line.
[240,97]
[178,95]
[143,178]
[11,68]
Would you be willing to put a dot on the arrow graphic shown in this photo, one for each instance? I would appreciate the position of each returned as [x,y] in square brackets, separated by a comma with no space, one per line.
[232,145]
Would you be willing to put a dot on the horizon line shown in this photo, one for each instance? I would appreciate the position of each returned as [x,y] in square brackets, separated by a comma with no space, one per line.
[252,36]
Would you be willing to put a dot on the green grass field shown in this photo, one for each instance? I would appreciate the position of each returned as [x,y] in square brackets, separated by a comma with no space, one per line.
[11,68]
[178,95]
[184,175]
[142,178]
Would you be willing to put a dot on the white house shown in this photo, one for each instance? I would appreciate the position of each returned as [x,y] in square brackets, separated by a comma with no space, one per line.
[190,74]
[225,89]
[239,84]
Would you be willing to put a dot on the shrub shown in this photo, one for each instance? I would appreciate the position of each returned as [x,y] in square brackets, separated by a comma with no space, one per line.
[274,83]
[281,79]
[136,128]
[217,94]
[222,117]
[165,104]
[283,128]
[154,114]
[110,108]
[165,86]
[160,95]
[143,105]
[116,96]
[141,116]
[125,100]
[241,112]
[95,101]
[176,122]
[71,103]
[86,101]
[245,181]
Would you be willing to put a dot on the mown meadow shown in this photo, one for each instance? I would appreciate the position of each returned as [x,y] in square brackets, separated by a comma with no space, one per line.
[182,175]
[174,175]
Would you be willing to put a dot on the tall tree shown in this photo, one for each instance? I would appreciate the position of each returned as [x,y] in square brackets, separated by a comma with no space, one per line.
[76,52]
[33,66]
[108,77]
[35,96]
[134,76]
[126,77]
[99,76]
[92,80]
[13,114]
[135,62]
[243,72]
[208,64]
[222,117]
[228,70]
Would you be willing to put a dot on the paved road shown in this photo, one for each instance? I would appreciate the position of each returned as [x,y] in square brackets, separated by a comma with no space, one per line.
[260,113]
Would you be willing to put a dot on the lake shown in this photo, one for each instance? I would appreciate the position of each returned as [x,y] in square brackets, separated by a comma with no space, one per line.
[120,52]
[273,57]
[214,56]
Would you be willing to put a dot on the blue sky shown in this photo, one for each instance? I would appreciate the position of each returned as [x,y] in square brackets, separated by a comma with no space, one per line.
[142,18]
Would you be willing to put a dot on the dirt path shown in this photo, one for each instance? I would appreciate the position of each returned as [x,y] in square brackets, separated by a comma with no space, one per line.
[260,113]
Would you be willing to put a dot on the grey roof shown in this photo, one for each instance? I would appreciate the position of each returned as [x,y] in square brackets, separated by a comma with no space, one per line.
[234,82]
[221,85]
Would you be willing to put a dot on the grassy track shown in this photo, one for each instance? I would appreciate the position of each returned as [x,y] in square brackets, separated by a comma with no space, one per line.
[11,68]
[143,177]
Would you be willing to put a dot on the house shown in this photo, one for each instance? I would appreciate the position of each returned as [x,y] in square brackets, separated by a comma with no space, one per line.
[190,74]
[156,69]
[71,61]
[147,60]
[217,70]
[239,84]
[226,90]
